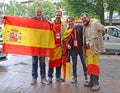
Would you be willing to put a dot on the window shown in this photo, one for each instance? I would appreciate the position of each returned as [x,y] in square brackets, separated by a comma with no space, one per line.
[114,32]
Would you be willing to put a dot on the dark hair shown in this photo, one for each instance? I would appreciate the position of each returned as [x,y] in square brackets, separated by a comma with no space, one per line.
[70,18]
[58,11]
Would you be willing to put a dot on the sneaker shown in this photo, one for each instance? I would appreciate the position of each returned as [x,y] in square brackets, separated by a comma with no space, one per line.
[86,80]
[60,79]
[34,81]
[50,79]
[44,81]
[88,84]
[95,87]
[74,80]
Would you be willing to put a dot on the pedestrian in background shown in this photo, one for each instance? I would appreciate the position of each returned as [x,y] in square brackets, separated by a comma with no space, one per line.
[38,59]
[55,61]
[92,38]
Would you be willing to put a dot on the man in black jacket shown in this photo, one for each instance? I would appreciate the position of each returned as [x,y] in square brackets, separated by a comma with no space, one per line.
[75,47]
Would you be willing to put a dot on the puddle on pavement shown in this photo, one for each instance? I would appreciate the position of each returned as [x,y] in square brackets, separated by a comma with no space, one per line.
[21,63]
[3,69]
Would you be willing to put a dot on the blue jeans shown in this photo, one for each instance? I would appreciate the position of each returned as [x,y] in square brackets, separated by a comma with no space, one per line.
[74,54]
[58,72]
[42,65]
[94,79]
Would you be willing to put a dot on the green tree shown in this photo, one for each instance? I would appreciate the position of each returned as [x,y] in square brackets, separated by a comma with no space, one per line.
[15,9]
[95,8]
[47,7]
[76,7]
[98,9]
[18,9]
[112,6]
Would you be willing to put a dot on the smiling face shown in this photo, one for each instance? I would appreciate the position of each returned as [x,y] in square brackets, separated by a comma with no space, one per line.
[85,19]
[58,16]
[70,22]
[38,13]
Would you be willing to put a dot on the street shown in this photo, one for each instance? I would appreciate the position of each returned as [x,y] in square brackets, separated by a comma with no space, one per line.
[109,64]
[15,74]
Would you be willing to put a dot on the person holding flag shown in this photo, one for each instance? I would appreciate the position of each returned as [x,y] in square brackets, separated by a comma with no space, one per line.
[35,59]
[73,43]
[55,61]
[23,36]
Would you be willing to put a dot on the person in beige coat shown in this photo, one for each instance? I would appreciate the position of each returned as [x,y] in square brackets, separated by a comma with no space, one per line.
[93,47]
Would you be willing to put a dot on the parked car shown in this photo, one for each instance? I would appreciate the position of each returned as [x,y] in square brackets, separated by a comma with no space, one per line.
[112,40]
[2,55]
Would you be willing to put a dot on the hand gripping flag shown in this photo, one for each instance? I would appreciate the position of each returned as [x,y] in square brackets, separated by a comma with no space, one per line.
[28,36]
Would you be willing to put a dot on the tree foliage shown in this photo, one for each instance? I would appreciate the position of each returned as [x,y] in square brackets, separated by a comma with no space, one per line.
[112,5]
[95,8]
[18,9]
[15,9]
[76,7]
[47,7]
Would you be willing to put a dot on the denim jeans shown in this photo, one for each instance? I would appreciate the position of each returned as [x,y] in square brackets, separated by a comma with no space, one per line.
[74,54]
[42,65]
[94,79]
[58,72]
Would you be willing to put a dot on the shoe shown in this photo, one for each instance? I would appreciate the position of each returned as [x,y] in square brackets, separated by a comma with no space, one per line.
[74,80]
[50,79]
[59,79]
[86,78]
[88,84]
[34,81]
[95,87]
[44,81]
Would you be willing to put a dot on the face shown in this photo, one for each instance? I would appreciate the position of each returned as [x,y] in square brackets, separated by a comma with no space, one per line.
[38,13]
[58,16]
[85,19]
[70,22]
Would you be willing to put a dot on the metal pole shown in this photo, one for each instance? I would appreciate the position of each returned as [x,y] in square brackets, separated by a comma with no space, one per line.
[4,8]
[14,7]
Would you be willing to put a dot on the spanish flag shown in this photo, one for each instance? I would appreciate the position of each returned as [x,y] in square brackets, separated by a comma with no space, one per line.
[55,61]
[66,54]
[28,36]
[92,63]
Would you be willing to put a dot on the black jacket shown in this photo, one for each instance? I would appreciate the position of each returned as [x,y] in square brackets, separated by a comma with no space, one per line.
[79,34]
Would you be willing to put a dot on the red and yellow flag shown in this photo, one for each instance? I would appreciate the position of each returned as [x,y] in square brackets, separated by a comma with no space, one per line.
[55,61]
[28,36]
[92,63]
[66,54]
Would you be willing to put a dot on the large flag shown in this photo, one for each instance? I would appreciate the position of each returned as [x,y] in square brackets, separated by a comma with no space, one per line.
[28,36]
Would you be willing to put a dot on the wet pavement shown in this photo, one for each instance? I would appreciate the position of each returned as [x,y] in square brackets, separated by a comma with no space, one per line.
[15,77]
